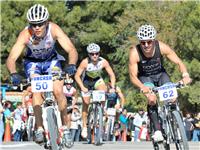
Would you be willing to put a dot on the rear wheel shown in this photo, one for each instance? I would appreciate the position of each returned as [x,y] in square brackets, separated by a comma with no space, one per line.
[180,137]
[30,131]
[98,125]
[53,128]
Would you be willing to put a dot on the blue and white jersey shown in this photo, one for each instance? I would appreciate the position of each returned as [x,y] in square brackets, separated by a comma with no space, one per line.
[42,48]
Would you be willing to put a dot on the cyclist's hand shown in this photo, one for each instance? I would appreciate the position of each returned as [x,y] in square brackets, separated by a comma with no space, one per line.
[117,106]
[84,89]
[70,69]
[186,80]
[16,78]
[112,90]
[145,90]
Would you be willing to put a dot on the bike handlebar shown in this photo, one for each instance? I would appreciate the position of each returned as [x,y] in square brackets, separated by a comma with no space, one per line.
[178,85]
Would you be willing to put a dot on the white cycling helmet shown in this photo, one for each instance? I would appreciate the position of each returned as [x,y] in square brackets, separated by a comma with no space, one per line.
[69,81]
[146,32]
[93,48]
[37,14]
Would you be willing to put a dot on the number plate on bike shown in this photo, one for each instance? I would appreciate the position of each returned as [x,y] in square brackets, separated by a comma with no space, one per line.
[42,83]
[167,92]
[111,111]
[98,96]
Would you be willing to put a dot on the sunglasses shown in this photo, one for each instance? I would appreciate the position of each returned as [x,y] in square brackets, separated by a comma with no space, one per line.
[37,25]
[144,42]
[92,54]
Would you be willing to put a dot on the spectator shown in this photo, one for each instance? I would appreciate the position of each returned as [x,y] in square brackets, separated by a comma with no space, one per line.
[188,126]
[18,122]
[1,122]
[196,131]
[131,127]
[143,134]
[123,118]
[75,118]
[139,118]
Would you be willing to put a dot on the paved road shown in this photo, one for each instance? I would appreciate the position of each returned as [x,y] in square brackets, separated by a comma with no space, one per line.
[84,146]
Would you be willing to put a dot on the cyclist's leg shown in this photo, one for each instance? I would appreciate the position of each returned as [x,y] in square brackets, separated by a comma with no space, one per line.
[33,69]
[69,113]
[86,102]
[152,108]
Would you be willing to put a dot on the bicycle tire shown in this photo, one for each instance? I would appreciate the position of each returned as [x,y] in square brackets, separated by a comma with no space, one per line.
[180,137]
[98,125]
[109,125]
[53,128]
[90,121]
[30,132]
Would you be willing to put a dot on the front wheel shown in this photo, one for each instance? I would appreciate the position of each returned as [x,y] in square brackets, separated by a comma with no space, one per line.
[98,125]
[52,128]
[180,138]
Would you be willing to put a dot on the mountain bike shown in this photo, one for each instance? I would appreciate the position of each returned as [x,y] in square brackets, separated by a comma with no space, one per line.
[51,120]
[95,117]
[170,118]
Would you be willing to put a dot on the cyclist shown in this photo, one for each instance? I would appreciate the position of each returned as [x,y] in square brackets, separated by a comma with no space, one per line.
[90,69]
[39,38]
[146,69]
[117,98]
[71,96]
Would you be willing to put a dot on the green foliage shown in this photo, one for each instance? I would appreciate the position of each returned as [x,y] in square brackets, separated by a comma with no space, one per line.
[113,25]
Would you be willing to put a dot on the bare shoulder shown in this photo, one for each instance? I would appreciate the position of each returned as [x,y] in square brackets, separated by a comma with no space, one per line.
[133,54]
[84,63]
[24,35]
[164,48]
[105,62]
[55,29]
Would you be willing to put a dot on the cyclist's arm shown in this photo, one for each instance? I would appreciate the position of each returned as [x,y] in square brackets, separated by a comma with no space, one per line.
[110,73]
[133,68]
[16,52]
[65,42]
[121,96]
[75,97]
[79,72]
[171,55]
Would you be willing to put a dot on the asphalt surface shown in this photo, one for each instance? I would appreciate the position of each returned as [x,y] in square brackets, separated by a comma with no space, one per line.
[85,146]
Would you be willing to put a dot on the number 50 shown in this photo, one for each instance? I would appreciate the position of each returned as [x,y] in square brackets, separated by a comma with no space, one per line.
[41,85]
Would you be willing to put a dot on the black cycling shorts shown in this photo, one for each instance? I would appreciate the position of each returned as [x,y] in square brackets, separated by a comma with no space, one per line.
[157,80]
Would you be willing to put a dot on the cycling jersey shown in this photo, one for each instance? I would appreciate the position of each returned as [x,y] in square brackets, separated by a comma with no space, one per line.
[69,93]
[92,75]
[43,49]
[40,57]
[150,66]
[94,70]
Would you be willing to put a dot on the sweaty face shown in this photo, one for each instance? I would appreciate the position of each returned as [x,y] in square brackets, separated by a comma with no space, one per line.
[147,45]
[39,29]
[94,56]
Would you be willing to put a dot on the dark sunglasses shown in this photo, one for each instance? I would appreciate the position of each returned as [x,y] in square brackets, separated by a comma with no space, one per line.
[37,25]
[144,42]
[92,54]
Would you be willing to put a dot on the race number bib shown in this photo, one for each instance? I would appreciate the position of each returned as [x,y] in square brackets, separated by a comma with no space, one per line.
[42,83]
[98,96]
[111,111]
[167,92]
